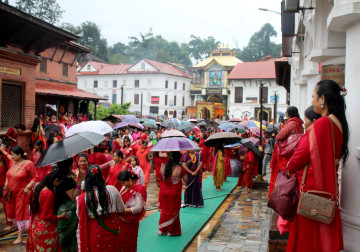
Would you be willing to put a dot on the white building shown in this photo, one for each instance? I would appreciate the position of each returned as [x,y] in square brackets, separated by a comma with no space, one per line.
[151,87]
[245,81]
[327,47]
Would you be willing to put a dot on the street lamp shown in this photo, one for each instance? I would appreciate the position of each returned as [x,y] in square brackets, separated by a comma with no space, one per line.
[263,9]
[261,83]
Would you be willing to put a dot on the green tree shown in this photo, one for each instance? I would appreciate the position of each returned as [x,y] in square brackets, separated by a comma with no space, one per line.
[114,109]
[260,45]
[201,48]
[47,10]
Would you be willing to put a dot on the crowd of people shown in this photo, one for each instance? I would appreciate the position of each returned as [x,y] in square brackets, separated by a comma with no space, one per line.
[95,200]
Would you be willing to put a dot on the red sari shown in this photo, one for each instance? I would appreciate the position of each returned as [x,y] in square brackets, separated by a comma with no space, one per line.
[114,172]
[170,202]
[291,127]
[127,152]
[43,233]
[42,171]
[129,223]
[11,133]
[205,154]
[228,155]
[18,177]
[144,164]
[316,147]
[249,168]
[3,169]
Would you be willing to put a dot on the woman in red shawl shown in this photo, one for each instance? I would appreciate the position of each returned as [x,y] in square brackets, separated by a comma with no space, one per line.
[315,149]
[172,176]
[127,149]
[291,127]
[20,178]
[43,233]
[35,155]
[205,152]
[13,133]
[141,152]
[249,167]
[134,198]
[114,171]
[98,211]
[5,162]
[37,132]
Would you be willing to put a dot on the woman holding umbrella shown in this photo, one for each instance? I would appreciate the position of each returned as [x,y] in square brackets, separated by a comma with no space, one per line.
[172,176]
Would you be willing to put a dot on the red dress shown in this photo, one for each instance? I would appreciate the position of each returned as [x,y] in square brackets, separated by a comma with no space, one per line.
[99,159]
[11,133]
[249,165]
[144,164]
[170,202]
[158,162]
[18,177]
[127,152]
[42,171]
[43,233]
[3,169]
[315,148]
[205,154]
[116,146]
[114,172]
[228,155]
[129,223]
[291,127]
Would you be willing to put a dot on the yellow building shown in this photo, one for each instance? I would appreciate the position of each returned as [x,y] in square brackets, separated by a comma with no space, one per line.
[210,82]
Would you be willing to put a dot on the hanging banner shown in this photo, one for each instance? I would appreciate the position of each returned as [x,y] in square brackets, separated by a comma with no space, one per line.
[333,72]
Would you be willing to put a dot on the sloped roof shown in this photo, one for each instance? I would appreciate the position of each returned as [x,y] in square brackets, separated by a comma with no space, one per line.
[167,68]
[227,61]
[253,70]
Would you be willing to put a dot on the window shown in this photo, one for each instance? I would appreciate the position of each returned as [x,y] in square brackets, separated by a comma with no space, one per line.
[43,66]
[11,106]
[166,100]
[114,83]
[137,83]
[238,94]
[175,85]
[265,94]
[183,101]
[95,83]
[166,84]
[155,99]
[183,86]
[174,100]
[65,70]
[88,67]
[113,98]
[136,98]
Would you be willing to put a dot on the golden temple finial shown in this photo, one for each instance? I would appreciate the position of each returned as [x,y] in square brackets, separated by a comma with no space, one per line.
[227,45]
[281,54]
[218,46]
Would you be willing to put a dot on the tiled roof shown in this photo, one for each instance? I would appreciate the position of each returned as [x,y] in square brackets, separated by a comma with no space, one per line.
[229,61]
[64,90]
[253,70]
[167,68]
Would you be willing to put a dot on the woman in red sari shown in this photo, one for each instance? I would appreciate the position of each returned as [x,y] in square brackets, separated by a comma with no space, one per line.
[127,149]
[315,149]
[43,233]
[172,176]
[291,127]
[37,132]
[248,167]
[13,133]
[141,152]
[20,178]
[5,162]
[35,155]
[97,209]
[205,152]
[116,169]
[134,197]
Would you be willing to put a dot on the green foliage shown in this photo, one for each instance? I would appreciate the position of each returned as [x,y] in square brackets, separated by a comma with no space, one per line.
[47,10]
[200,48]
[260,45]
[114,109]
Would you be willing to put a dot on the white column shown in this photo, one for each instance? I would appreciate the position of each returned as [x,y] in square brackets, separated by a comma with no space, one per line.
[350,189]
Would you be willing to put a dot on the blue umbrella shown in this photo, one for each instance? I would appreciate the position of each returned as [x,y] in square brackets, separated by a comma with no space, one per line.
[251,124]
[281,113]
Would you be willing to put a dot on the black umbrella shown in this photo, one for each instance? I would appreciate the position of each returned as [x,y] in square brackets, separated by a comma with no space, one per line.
[223,137]
[203,123]
[69,147]
[169,124]
[51,129]
[186,127]
[248,143]
[213,123]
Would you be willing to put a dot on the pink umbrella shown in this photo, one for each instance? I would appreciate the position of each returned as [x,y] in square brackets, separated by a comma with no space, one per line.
[172,133]
[196,129]
[235,120]
[256,131]
[254,140]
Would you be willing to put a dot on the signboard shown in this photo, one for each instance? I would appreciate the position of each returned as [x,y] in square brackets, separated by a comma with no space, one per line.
[154,109]
[333,72]
[213,91]
[272,98]
[155,99]
[9,70]
[171,103]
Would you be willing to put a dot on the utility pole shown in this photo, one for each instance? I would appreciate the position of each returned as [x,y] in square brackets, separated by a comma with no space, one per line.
[259,178]
[275,107]
[122,94]
[141,106]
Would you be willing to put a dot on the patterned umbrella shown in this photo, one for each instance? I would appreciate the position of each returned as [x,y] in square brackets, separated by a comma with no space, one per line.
[175,144]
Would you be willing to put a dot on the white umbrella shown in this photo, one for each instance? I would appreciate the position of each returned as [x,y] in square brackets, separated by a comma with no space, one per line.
[99,127]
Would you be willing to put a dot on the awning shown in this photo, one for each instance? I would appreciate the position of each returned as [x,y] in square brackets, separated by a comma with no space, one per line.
[65,90]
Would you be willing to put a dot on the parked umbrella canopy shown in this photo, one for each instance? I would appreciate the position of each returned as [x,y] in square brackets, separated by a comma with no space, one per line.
[99,127]
[172,133]
[250,144]
[223,137]
[120,125]
[69,147]
[235,120]
[175,144]
[169,124]
[150,124]
[51,129]
[130,119]
[186,127]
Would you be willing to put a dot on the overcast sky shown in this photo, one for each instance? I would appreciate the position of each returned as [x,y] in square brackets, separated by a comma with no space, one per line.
[227,20]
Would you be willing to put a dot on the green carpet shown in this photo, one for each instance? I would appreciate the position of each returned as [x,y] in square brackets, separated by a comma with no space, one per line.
[192,220]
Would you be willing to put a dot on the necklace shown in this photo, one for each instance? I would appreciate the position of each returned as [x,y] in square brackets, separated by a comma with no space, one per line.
[193,158]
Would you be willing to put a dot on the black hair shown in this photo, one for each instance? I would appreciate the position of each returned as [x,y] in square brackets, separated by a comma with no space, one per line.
[136,159]
[50,140]
[174,159]
[119,153]
[96,149]
[205,135]
[65,165]
[94,179]
[310,114]
[41,144]
[219,147]
[125,175]
[36,124]
[144,141]
[335,103]
[20,126]
[48,182]
[18,150]
[292,112]
[126,138]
